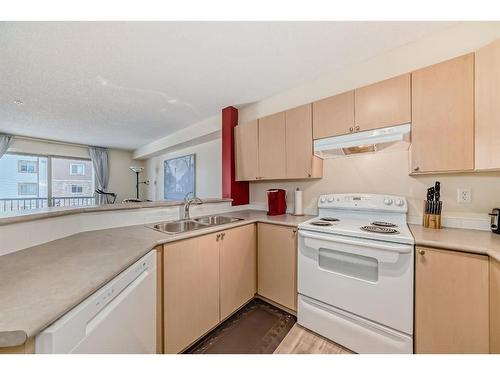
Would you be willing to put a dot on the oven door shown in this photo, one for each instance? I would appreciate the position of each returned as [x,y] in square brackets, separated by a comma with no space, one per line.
[369,278]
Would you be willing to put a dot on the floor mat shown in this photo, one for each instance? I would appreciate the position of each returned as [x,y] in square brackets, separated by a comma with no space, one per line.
[257,328]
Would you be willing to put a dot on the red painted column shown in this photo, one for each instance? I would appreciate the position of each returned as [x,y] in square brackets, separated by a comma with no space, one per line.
[239,191]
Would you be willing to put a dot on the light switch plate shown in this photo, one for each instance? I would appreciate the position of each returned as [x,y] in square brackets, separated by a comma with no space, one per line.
[464,195]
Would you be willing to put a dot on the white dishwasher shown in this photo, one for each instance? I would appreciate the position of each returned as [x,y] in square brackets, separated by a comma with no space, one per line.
[118,318]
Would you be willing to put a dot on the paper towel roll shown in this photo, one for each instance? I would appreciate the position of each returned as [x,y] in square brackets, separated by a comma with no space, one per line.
[298,208]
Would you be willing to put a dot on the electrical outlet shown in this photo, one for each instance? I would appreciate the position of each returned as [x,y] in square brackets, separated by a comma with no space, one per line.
[464,195]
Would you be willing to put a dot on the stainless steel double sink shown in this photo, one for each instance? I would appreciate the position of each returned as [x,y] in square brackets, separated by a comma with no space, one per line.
[182,226]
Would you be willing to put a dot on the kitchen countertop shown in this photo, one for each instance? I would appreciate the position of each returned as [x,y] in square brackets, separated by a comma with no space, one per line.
[44,213]
[41,283]
[469,240]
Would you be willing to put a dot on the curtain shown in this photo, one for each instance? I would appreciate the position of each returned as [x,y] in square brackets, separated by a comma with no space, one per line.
[4,143]
[99,157]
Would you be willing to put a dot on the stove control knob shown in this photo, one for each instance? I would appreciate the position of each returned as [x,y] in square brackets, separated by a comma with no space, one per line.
[322,200]
[330,199]
[399,202]
[387,201]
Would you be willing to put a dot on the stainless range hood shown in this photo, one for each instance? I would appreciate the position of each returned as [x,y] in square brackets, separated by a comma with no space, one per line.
[360,142]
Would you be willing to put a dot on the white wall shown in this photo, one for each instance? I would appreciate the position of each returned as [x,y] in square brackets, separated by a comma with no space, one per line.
[208,170]
[388,172]
[121,178]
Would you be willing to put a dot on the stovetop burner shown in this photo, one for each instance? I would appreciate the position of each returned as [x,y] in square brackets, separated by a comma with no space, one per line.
[378,229]
[329,219]
[321,223]
[384,224]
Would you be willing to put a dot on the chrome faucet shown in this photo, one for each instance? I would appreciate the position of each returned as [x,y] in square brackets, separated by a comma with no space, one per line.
[187,204]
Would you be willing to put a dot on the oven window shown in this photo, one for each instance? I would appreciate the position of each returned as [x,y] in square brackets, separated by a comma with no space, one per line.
[353,265]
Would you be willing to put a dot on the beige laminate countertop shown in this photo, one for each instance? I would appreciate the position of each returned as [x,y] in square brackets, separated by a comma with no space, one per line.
[469,240]
[48,212]
[41,283]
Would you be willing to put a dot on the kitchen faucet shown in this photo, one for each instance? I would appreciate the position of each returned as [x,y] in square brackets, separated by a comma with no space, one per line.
[187,204]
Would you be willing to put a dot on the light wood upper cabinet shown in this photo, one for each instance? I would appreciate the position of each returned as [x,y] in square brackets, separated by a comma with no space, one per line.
[191,290]
[443,117]
[451,302]
[494,306]
[383,104]
[272,147]
[333,116]
[300,161]
[238,268]
[246,147]
[487,126]
[277,264]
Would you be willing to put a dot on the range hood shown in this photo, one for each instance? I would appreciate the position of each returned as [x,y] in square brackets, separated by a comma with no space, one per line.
[359,142]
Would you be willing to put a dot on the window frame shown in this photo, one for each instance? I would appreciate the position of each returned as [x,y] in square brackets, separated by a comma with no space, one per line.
[50,198]
[76,186]
[29,162]
[19,184]
[76,165]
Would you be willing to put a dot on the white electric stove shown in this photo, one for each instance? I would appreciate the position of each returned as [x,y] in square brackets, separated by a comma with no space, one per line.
[355,273]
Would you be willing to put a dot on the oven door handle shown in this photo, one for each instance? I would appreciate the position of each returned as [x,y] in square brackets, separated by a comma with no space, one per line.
[386,246]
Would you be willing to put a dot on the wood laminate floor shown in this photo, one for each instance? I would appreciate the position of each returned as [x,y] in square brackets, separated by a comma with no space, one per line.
[302,341]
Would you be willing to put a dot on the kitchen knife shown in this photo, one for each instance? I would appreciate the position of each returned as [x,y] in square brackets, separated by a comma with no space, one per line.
[430,194]
[437,191]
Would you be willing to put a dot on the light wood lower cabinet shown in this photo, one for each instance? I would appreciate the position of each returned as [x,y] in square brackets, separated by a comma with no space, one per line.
[494,306]
[206,278]
[451,302]
[238,268]
[191,290]
[277,264]
[27,348]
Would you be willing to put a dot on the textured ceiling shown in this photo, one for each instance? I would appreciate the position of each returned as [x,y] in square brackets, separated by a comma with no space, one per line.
[125,84]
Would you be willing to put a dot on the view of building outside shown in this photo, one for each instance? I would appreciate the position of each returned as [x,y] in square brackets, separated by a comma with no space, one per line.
[72,178]
[24,182]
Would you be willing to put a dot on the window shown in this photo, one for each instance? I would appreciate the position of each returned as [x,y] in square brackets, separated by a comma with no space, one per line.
[27,188]
[26,180]
[76,189]
[27,166]
[77,169]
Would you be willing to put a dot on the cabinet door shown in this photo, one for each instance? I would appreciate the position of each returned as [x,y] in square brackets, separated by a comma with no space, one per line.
[494,306]
[333,116]
[191,290]
[246,147]
[451,302]
[277,264]
[272,149]
[443,117]
[299,142]
[487,126]
[383,104]
[238,268]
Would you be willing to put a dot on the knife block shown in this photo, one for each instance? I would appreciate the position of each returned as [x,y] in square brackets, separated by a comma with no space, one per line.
[432,221]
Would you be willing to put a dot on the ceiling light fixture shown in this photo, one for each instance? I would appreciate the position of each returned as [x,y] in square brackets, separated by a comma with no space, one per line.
[18,102]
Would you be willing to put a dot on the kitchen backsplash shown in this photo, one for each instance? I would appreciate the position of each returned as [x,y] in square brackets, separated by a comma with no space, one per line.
[387,173]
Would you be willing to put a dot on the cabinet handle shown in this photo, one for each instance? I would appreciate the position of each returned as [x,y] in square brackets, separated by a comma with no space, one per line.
[217,238]
[351,129]
[294,230]
[357,127]
[421,252]
[222,235]
[416,169]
